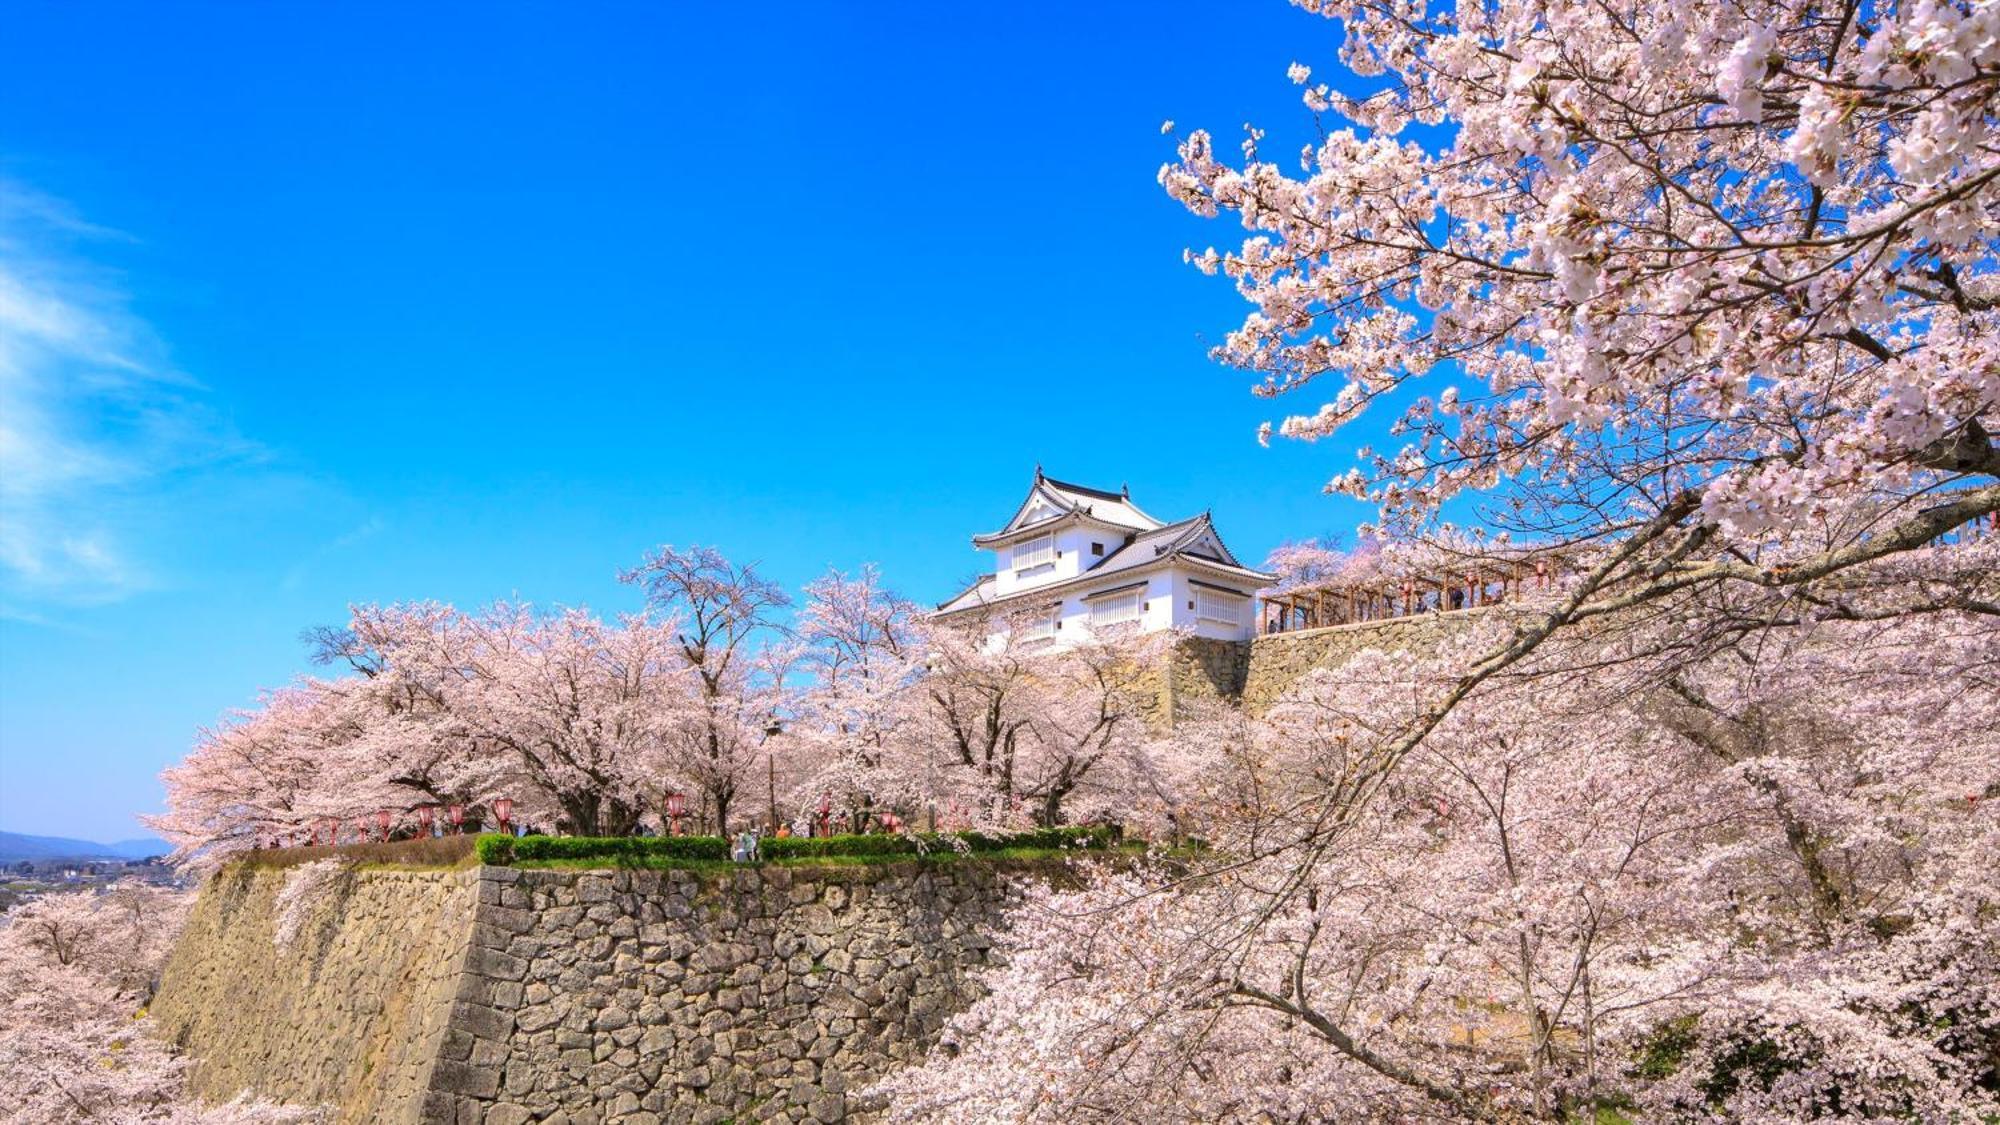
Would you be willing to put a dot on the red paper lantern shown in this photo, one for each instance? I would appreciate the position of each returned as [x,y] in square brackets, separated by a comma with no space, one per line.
[503,808]
[427,816]
[457,818]
[382,819]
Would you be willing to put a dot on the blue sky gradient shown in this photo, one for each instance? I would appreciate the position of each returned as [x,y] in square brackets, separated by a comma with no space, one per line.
[308,305]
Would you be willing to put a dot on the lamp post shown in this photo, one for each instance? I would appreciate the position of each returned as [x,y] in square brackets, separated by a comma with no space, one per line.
[772,730]
[676,808]
[457,813]
[503,807]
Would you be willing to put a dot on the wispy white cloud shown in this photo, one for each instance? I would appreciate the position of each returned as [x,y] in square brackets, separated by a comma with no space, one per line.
[295,577]
[93,416]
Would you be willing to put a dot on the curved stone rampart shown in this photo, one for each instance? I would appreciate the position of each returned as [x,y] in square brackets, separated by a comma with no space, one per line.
[352,1013]
[502,996]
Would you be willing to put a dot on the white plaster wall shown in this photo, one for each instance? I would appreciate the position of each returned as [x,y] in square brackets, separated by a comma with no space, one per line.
[1073,557]
[1184,612]
[1163,605]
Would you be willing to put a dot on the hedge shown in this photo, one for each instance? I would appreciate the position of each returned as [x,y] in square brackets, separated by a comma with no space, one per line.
[1045,839]
[502,850]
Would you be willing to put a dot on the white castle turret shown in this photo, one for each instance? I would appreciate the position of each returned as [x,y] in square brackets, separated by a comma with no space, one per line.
[1073,559]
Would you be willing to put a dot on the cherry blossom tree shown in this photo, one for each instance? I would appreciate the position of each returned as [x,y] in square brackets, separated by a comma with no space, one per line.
[75,970]
[722,611]
[861,649]
[1747,882]
[1709,287]
[1014,730]
[572,717]
[262,773]
[1307,563]
[568,711]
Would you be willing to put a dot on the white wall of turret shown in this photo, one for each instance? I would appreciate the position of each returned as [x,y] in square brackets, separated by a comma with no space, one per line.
[1043,559]
[1167,598]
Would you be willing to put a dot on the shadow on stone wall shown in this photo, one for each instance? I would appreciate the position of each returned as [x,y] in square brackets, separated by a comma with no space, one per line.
[351,1013]
[502,996]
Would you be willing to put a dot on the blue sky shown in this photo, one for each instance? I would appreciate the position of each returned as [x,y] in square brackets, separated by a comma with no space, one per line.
[306,305]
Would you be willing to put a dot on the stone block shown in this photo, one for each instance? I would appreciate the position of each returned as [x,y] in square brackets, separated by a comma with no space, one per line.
[465,1080]
[488,1054]
[482,1021]
[610,1019]
[508,919]
[537,1017]
[438,1108]
[496,965]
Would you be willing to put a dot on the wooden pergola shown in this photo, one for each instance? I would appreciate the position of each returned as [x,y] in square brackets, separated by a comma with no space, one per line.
[1476,585]
[1490,582]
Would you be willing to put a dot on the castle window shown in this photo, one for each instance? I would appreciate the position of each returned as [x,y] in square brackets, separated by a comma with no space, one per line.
[1042,627]
[1039,551]
[1097,549]
[1218,606]
[1114,610]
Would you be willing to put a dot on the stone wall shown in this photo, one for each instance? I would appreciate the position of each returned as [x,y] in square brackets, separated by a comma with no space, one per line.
[1208,669]
[1196,669]
[775,995]
[503,996]
[352,1013]
[1276,661]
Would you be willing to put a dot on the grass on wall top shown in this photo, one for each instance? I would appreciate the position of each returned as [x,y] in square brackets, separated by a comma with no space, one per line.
[695,851]
[651,851]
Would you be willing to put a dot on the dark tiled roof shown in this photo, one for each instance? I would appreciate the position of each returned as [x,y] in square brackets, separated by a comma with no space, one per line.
[1085,490]
[1072,500]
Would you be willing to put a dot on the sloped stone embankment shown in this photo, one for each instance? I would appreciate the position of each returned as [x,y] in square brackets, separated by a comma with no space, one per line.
[502,996]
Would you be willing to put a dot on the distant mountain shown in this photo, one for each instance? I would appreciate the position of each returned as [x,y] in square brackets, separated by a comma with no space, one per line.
[143,847]
[15,847]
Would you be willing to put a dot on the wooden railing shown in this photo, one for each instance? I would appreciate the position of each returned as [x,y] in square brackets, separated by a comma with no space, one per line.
[1487,583]
[1351,603]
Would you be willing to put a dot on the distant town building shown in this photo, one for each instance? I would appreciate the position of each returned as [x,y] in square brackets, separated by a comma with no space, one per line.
[1074,560]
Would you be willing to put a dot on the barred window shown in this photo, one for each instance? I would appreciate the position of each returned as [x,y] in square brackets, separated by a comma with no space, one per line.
[1035,552]
[1116,609]
[1219,606]
[1040,627]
